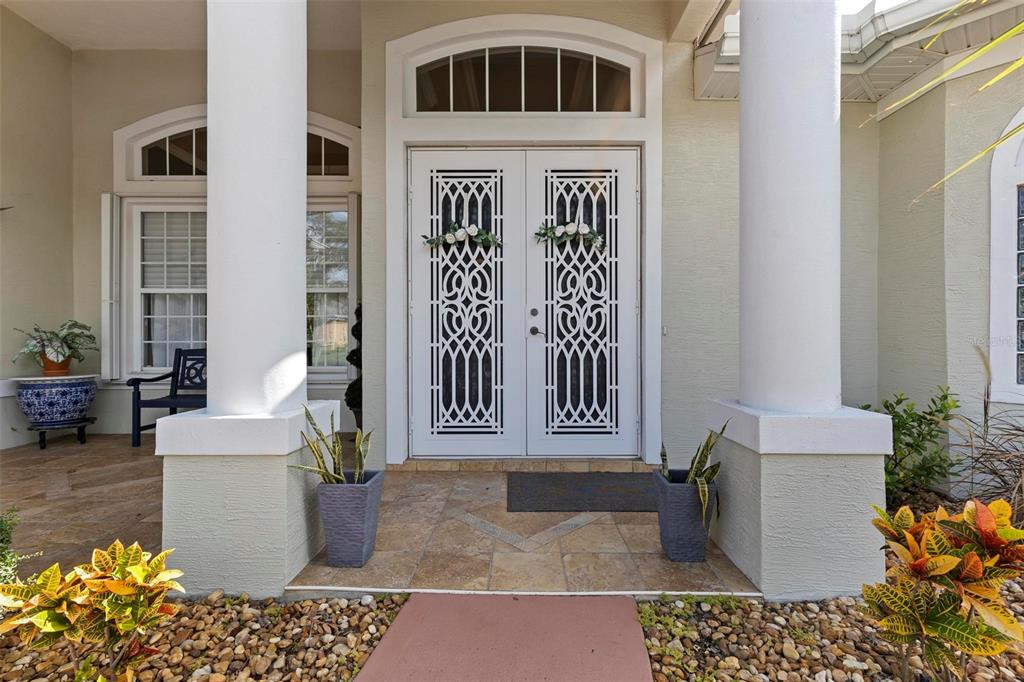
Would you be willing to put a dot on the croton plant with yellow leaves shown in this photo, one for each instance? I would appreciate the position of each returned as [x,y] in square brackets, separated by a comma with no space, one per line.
[112,601]
[943,592]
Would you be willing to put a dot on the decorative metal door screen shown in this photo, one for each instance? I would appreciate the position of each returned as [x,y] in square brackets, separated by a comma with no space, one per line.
[527,348]
[466,306]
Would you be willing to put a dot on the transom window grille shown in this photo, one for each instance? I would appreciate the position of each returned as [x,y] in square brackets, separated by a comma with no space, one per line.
[173,285]
[523,79]
[1020,285]
[184,154]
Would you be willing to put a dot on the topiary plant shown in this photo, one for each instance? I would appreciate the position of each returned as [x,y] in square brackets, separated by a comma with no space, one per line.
[354,392]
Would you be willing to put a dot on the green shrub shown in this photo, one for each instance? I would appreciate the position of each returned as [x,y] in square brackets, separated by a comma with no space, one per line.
[920,457]
[8,559]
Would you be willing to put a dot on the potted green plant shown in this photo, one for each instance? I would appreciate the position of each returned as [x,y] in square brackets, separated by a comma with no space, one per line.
[349,499]
[684,497]
[53,350]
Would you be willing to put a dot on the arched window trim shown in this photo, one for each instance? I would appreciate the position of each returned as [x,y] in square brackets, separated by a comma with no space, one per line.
[1006,181]
[634,61]
[129,141]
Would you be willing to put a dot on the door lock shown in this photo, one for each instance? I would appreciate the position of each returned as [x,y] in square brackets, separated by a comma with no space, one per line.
[534,312]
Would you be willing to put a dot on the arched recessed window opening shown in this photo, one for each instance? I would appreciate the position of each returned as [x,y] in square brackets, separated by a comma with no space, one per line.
[184,154]
[523,78]
[167,154]
[1006,250]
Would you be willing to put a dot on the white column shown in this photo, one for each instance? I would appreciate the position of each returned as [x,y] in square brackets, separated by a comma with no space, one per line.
[796,464]
[256,203]
[789,205]
[240,517]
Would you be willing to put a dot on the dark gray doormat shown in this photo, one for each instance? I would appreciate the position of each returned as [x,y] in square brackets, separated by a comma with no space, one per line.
[594,491]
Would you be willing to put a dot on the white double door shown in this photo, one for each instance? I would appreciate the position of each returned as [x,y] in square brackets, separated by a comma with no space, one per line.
[529,348]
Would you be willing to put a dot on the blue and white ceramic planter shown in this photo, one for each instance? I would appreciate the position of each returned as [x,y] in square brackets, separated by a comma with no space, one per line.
[55,402]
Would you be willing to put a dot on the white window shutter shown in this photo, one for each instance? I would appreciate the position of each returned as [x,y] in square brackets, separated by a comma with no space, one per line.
[110,315]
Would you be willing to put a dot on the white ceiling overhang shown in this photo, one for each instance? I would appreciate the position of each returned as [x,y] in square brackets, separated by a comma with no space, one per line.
[881,50]
[168,24]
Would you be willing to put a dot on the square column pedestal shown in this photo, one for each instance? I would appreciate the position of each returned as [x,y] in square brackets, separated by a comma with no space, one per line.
[237,517]
[796,492]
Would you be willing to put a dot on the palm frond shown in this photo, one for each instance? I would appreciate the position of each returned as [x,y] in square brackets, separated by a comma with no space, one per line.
[1012,32]
[971,161]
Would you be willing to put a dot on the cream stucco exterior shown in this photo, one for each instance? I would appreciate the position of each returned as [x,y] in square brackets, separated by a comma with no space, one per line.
[890,342]
[913,270]
[36,236]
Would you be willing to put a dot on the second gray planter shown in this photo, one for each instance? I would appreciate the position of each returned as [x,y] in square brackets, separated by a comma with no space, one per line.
[349,513]
[683,535]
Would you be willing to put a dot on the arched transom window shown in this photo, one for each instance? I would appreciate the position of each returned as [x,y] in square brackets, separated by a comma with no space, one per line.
[184,154]
[523,78]
[166,154]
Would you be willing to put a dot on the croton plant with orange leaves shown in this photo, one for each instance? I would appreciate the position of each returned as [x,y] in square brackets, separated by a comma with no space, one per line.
[943,592]
[113,601]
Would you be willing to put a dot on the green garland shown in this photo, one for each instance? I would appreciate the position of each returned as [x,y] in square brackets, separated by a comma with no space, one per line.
[456,233]
[559,234]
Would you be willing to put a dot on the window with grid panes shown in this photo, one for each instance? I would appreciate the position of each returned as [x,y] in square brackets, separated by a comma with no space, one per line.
[173,278]
[326,288]
[1020,284]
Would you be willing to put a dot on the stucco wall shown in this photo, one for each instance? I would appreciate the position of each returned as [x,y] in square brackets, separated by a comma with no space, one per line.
[700,225]
[911,273]
[972,123]
[934,254]
[35,180]
[115,88]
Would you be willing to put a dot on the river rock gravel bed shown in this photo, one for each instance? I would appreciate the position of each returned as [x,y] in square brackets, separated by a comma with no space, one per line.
[221,639]
[725,638]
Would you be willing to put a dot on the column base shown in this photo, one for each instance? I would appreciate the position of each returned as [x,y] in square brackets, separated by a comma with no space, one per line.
[796,492]
[237,516]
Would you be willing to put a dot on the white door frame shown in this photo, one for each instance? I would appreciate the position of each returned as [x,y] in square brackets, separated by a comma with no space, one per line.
[642,129]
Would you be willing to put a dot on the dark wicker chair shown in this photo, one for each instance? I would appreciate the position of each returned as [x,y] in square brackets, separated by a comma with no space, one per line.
[188,374]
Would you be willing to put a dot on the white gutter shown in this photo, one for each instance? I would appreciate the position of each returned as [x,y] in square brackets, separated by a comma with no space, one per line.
[868,31]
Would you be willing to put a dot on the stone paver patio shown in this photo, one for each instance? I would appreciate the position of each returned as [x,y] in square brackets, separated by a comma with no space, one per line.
[71,497]
[446,530]
[451,531]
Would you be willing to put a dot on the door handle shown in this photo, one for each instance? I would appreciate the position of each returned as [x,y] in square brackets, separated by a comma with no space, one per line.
[534,331]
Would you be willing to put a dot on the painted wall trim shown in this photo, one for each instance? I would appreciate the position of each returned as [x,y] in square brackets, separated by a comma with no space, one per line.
[846,431]
[403,132]
[200,433]
[8,388]
[1006,175]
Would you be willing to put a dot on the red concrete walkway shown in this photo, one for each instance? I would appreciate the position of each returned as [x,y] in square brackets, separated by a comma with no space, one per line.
[509,638]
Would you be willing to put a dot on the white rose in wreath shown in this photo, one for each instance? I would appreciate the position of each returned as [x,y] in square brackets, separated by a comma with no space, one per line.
[571,228]
[449,238]
[584,228]
[472,230]
[559,231]
[460,234]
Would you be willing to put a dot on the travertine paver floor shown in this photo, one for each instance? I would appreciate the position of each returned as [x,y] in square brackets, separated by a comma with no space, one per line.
[440,530]
[72,498]
[451,531]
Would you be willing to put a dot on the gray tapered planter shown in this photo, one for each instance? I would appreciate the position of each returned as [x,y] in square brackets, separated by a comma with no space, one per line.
[683,536]
[349,513]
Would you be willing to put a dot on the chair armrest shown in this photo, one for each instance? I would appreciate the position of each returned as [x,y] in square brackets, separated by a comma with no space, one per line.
[135,381]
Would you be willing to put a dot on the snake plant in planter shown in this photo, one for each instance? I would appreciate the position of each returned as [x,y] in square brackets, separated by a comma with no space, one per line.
[349,498]
[684,497]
